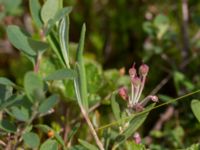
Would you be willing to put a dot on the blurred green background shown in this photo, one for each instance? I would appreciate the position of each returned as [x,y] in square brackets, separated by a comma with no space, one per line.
[163,34]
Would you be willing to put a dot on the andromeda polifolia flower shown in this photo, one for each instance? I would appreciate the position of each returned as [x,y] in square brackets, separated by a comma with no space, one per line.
[143,70]
[137,138]
[123,93]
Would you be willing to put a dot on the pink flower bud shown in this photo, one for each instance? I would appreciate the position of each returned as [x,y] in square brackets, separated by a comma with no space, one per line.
[137,138]
[143,70]
[154,98]
[136,81]
[123,93]
[132,72]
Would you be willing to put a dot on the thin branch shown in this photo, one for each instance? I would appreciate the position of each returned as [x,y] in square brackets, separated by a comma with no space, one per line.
[85,115]
[161,84]
[185,18]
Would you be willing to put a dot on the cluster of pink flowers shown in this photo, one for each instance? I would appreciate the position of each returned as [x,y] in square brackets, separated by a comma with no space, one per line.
[137,85]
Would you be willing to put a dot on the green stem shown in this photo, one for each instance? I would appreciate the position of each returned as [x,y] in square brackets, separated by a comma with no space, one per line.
[55,49]
[147,110]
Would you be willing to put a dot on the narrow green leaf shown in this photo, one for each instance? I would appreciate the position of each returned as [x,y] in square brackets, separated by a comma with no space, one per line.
[33,85]
[20,114]
[31,139]
[131,145]
[77,147]
[64,39]
[195,105]
[87,145]
[49,10]
[10,101]
[81,69]
[115,106]
[7,126]
[44,128]
[5,92]
[35,9]
[135,123]
[61,74]
[37,45]
[55,47]
[5,81]
[59,15]
[73,131]
[193,147]
[49,145]
[47,104]
[77,85]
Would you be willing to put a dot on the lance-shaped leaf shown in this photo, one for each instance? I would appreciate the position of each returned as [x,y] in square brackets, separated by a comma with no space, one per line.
[134,124]
[115,107]
[77,85]
[10,101]
[81,69]
[64,39]
[35,9]
[73,131]
[54,44]
[47,104]
[62,74]
[59,15]
[195,105]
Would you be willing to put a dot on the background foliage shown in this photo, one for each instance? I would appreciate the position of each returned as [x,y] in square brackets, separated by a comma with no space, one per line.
[164,35]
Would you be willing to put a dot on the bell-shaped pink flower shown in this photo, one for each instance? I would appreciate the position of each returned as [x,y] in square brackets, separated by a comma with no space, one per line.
[143,70]
[123,93]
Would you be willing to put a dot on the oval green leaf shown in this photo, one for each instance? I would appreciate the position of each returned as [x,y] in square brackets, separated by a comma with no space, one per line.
[49,145]
[31,139]
[22,41]
[19,38]
[5,81]
[49,10]
[20,114]
[35,9]
[33,85]
[7,126]
[195,105]
[48,104]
